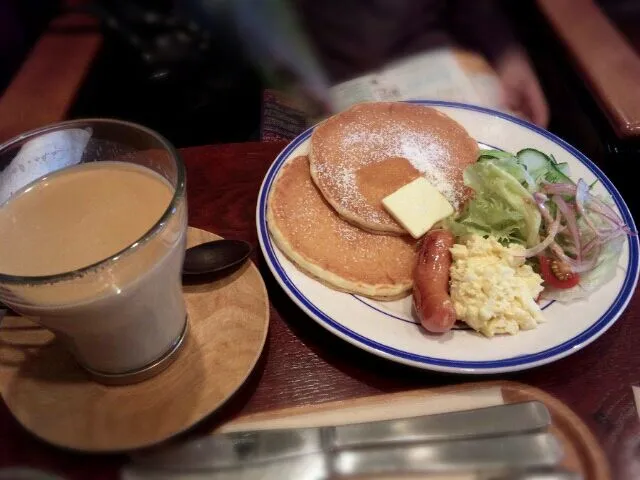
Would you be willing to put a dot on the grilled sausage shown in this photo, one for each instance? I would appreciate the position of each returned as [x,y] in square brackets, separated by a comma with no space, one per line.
[431,282]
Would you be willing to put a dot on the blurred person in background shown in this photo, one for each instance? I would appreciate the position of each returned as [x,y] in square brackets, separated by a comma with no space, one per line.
[352,37]
[319,43]
[300,46]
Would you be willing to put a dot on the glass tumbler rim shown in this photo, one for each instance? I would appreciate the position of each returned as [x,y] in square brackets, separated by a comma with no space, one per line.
[178,195]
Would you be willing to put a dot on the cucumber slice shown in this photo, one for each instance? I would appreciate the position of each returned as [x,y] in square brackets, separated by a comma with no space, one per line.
[541,166]
[536,162]
[554,175]
[564,168]
[495,155]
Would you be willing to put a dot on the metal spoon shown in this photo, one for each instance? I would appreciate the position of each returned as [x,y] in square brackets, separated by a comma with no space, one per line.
[215,256]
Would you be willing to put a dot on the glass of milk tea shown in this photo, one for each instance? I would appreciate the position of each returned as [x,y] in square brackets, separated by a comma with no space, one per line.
[93,221]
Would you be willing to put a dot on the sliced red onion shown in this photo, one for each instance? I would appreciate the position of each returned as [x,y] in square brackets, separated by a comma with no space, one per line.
[559,188]
[540,200]
[586,255]
[570,249]
[586,201]
[577,267]
[591,202]
[615,222]
[600,241]
[613,235]
[582,196]
[589,245]
[540,197]
[552,232]
[572,223]
[604,210]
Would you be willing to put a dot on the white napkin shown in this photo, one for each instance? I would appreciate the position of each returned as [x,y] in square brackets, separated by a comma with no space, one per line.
[42,155]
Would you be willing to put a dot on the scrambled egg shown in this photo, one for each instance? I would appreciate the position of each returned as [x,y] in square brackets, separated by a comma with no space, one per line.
[492,289]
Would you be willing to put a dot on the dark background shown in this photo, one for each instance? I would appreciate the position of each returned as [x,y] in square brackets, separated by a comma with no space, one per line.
[197,88]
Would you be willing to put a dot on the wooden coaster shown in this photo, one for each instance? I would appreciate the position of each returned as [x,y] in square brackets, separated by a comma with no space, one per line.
[53,398]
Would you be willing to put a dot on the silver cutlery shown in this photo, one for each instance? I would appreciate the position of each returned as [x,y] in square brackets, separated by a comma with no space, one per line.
[502,439]
[215,256]
[510,457]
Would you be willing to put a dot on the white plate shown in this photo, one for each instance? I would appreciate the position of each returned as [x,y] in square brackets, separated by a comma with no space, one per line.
[387,329]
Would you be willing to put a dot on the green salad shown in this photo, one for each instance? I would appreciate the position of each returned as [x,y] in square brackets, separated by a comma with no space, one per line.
[572,236]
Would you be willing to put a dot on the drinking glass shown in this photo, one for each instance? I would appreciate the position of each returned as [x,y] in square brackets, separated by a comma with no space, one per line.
[124,317]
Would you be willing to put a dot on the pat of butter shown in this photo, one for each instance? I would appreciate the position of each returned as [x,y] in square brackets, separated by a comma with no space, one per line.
[417,206]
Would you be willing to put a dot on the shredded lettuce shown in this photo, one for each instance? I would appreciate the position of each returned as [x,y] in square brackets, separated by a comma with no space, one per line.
[517,171]
[501,207]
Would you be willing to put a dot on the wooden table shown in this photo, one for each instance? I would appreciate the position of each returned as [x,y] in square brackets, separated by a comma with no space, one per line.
[303,363]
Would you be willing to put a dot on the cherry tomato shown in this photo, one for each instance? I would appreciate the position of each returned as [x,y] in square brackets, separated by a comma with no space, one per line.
[550,278]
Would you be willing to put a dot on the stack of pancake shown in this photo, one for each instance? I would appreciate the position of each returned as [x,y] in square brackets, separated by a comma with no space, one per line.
[325,209]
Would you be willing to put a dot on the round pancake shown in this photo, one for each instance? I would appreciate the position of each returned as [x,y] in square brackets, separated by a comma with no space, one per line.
[367,152]
[310,233]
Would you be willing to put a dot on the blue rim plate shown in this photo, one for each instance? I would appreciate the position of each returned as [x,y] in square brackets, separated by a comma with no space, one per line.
[387,329]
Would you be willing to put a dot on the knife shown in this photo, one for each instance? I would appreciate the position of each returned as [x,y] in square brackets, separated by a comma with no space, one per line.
[240,449]
[497,458]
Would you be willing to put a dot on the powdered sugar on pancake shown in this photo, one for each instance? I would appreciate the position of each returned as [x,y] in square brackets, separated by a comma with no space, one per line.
[431,158]
[434,144]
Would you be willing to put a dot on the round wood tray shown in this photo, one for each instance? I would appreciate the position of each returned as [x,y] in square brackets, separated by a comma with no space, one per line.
[582,452]
[54,398]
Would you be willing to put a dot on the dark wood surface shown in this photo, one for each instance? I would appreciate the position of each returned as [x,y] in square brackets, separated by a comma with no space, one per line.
[45,87]
[302,363]
[606,59]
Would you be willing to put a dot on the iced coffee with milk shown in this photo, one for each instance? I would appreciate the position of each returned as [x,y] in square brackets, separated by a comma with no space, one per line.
[94,253]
